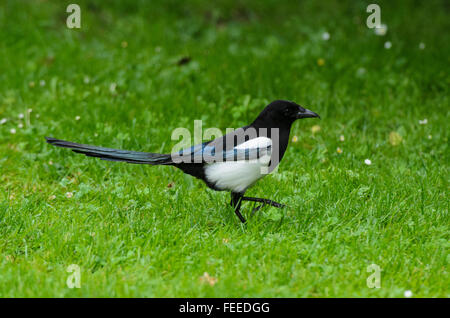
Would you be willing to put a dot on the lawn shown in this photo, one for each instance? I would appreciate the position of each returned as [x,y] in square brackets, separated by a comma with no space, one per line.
[136,71]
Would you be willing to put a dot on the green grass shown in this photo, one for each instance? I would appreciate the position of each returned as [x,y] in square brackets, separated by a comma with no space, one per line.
[132,235]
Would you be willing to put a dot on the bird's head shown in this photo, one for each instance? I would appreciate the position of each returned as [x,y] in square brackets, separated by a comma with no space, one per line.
[283,112]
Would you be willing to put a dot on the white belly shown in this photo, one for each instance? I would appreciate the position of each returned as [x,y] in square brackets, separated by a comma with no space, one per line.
[236,176]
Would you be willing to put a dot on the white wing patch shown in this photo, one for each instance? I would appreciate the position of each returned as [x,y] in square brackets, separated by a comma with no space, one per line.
[260,142]
[237,176]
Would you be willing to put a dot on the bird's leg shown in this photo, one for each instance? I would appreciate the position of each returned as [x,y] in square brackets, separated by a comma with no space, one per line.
[236,200]
[264,201]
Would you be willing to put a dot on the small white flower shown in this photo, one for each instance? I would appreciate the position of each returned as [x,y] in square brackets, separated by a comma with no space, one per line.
[77,117]
[69,195]
[430,137]
[20,115]
[381,29]
[387,45]
[325,36]
[42,82]
[30,110]
[361,71]
[86,80]
[12,131]
[20,125]
[408,293]
[112,88]
[421,45]
[423,122]
[50,163]
[368,162]
[294,139]
[339,150]
[3,120]
[341,138]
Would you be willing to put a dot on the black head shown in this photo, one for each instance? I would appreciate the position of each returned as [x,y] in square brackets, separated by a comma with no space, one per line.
[283,113]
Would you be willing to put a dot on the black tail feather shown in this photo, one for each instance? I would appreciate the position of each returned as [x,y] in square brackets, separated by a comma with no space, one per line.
[113,154]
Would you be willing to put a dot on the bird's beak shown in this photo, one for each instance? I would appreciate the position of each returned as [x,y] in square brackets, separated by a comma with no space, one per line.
[307,114]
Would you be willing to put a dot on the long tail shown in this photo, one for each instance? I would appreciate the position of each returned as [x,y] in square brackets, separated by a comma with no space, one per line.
[113,154]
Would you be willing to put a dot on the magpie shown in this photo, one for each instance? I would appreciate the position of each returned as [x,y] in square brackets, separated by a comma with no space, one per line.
[233,162]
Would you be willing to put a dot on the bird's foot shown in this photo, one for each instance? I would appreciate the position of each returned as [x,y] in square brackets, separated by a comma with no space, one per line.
[236,200]
[264,201]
